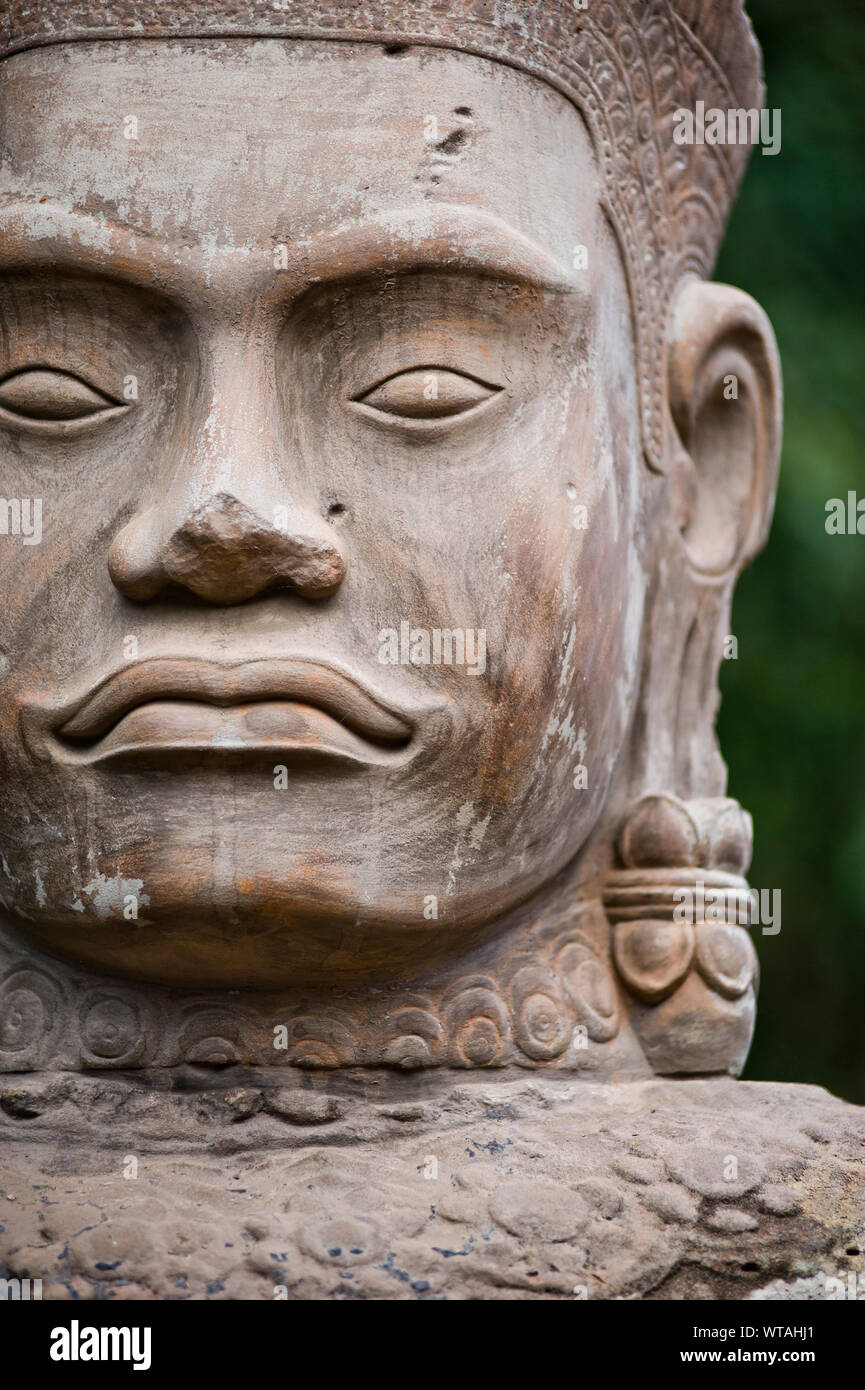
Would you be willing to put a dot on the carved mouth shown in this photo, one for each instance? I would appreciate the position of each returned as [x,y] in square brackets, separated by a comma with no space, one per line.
[172,705]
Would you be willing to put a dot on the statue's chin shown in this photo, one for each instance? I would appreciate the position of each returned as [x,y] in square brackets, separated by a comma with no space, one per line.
[320,916]
[285,942]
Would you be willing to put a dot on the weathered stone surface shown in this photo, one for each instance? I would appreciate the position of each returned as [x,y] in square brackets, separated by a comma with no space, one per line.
[259,805]
[519,1189]
[313,958]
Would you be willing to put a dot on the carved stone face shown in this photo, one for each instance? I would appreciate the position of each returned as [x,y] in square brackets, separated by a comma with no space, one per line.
[303,378]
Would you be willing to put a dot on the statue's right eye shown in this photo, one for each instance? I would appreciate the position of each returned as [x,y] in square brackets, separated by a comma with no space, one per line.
[44,394]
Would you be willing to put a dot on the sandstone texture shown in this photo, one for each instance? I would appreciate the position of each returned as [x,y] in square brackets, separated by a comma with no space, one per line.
[350,1187]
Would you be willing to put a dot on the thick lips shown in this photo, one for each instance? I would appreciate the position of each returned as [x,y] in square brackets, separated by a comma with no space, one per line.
[204,706]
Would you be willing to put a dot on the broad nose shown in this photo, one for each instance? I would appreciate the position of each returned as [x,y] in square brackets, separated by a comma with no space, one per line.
[224,551]
[236,519]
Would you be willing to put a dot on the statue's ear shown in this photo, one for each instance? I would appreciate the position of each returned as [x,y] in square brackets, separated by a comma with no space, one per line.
[725,401]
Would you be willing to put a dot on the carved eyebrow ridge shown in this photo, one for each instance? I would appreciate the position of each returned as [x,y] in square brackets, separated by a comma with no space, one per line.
[443,237]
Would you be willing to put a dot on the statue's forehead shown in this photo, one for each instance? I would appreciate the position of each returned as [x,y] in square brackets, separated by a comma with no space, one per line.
[239,142]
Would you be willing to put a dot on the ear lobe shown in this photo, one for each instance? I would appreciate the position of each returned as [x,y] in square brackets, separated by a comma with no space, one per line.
[725,401]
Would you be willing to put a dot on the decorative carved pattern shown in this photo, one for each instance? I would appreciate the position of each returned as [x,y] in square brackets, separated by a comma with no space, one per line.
[31,1006]
[678,908]
[628,66]
[528,1014]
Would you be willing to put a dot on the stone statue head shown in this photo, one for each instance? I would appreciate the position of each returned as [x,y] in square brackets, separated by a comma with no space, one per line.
[379,460]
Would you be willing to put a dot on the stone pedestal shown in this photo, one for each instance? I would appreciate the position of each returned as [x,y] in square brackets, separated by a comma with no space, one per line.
[431,1188]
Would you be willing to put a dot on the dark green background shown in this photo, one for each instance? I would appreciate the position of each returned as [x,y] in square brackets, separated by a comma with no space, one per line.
[792,723]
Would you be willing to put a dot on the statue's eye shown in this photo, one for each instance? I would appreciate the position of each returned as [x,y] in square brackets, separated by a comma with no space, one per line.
[43,394]
[427,393]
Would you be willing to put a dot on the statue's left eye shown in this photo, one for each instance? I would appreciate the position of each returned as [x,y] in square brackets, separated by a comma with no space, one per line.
[427,393]
[43,394]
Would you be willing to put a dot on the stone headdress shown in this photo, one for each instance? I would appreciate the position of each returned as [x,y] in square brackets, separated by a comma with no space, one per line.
[629,66]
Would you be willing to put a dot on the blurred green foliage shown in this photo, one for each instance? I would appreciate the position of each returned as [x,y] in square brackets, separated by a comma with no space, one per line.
[792,723]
